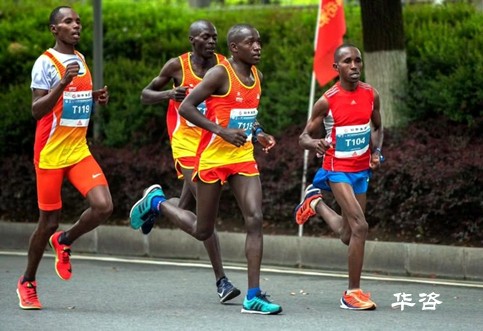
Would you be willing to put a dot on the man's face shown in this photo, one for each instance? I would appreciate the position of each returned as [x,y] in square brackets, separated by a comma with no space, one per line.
[249,46]
[349,64]
[204,43]
[68,26]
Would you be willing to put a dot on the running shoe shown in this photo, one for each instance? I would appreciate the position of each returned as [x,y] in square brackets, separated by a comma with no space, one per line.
[226,290]
[260,305]
[141,212]
[27,295]
[62,257]
[303,211]
[149,224]
[357,300]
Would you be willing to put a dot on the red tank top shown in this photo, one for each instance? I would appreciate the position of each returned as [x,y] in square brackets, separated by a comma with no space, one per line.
[347,125]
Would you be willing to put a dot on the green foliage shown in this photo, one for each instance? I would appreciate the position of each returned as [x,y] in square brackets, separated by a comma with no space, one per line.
[443,47]
[17,125]
[445,61]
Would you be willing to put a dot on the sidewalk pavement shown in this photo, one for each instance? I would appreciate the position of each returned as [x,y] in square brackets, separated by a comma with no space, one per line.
[389,258]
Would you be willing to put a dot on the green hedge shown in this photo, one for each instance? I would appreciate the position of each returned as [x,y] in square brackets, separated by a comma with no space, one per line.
[443,44]
[445,62]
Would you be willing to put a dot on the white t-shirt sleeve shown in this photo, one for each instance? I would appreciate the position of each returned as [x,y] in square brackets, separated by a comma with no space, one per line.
[44,74]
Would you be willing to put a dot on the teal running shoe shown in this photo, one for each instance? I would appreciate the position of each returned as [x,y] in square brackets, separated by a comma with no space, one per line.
[260,305]
[142,211]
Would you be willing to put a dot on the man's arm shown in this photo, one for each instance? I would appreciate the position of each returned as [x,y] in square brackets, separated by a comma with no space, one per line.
[214,82]
[153,93]
[314,129]
[43,101]
[377,132]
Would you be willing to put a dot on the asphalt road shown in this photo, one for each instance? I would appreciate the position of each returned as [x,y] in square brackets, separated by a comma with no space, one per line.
[112,293]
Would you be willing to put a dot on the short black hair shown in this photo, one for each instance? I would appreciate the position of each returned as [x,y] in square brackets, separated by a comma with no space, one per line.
[234,33]
[338,49]
[197,26]
[54,15]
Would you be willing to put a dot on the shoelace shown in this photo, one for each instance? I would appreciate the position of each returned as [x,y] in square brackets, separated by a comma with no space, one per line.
[305,207]
[31,291]
[358,297]
[65,255]
[365,296]
[264,296]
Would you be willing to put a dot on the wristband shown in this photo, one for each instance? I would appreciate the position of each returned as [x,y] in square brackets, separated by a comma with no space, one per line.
[381,157]
[258,130]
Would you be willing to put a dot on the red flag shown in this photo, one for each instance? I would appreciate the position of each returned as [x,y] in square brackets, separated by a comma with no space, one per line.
[330,33]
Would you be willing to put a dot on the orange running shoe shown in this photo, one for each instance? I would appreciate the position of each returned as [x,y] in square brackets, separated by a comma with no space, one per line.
[62,257]
[357,300]
[303,211]
[27,295]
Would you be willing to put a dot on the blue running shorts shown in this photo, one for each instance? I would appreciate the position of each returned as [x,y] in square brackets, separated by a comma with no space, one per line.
[358,180]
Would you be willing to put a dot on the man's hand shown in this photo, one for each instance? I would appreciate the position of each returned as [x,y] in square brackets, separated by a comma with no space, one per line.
[101,96]
[235,137]
[322,145]
[71,71]
[266,140]
[178,93]
[376,160]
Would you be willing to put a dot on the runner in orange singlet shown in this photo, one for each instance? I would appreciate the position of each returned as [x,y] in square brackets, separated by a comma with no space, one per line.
[186,71]
[62,103]
[351,149]
[232,92]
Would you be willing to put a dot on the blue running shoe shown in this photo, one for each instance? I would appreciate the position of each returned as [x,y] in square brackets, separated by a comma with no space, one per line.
[260,305]
[226,290]
[141,212]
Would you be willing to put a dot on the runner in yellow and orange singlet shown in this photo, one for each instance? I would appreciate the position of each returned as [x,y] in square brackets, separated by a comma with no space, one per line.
[232,90]
[186,71]
[62,103]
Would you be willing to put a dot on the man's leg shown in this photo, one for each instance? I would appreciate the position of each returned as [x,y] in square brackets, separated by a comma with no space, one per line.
[49,183]
[201,225]
[99,210]
[248,193]
[226,290]
[335,221]
[353,214]
[89,179]
[48,223]
[212,244]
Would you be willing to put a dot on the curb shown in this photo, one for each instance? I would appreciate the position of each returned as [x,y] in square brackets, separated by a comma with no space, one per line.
[403,259]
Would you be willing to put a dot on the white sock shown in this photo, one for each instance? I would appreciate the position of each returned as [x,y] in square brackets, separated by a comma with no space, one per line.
[314,203]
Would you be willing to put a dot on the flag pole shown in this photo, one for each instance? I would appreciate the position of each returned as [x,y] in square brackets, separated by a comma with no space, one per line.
[309,114]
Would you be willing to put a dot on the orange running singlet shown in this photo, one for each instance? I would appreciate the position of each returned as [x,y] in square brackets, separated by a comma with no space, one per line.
[184,135]
[60,136]
[238,108]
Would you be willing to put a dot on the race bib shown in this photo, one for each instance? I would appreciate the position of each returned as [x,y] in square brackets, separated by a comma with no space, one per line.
[352,141]
[243,119]
[77,109]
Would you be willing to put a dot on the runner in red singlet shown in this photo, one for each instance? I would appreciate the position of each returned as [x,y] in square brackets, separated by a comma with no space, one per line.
[351,149]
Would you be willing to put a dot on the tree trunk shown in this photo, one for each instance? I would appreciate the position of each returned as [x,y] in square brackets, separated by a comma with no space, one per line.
[385,55]
[199,3]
